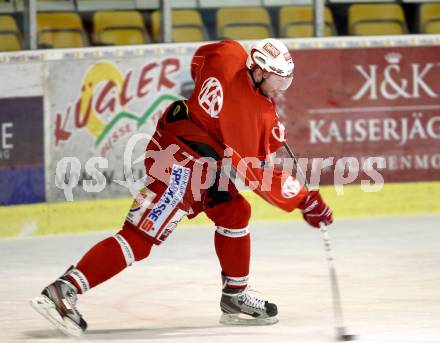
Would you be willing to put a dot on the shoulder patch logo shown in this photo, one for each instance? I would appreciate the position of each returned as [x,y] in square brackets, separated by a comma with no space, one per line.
[271,50]
[211,97]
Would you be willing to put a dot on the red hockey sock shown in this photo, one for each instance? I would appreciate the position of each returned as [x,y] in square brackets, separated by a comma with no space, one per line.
[108,258]
[233,247]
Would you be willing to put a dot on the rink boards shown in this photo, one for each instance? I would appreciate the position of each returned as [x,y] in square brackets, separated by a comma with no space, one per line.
[395,199]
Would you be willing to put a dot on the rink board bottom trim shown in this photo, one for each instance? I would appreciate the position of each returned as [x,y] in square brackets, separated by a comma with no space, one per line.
[395,199]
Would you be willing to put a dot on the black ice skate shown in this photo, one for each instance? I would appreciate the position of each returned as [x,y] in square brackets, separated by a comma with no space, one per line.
[57,303]
[239,307]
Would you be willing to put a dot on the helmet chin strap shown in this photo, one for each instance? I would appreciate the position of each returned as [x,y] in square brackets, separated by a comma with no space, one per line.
[258,84]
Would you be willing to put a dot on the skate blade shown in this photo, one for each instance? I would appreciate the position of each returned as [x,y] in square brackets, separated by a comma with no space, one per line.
[46,307]
[236,319]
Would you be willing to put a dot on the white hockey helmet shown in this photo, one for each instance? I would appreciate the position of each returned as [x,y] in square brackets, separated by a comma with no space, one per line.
[272,56]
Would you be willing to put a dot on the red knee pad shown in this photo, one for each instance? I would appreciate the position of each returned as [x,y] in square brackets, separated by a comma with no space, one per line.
[233,214]
[140,245]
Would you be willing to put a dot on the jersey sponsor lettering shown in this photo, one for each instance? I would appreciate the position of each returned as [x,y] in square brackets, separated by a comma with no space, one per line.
[174,193]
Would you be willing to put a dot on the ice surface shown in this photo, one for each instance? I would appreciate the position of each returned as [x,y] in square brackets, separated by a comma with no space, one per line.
[388,268]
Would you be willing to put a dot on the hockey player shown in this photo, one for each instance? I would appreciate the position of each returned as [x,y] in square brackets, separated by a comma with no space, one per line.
[230,115]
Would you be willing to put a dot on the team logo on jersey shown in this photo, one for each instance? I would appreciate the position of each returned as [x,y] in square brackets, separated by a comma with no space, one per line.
[287,56]
[139,200]
[271,50]
[142,202]
[291,187]
[211,97]
[278,132]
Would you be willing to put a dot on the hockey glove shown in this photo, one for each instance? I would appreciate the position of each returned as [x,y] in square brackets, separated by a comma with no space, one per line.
[315,211]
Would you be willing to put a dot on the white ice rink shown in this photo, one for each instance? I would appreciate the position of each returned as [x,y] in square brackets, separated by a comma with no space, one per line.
[388,268]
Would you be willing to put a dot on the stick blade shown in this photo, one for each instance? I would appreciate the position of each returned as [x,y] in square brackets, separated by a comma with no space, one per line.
[346,338]
[341,335]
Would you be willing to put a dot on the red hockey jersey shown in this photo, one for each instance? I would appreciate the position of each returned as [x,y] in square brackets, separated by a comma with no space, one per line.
[227,106]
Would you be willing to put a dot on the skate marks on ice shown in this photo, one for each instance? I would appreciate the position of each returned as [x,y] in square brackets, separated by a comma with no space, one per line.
[280,333]
[388,270]
[174,333]
[215,334]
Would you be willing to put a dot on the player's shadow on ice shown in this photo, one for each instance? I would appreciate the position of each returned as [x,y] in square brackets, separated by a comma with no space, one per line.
[139,333]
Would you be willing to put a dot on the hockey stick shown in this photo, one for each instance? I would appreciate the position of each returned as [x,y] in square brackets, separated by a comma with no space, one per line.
[341,334]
